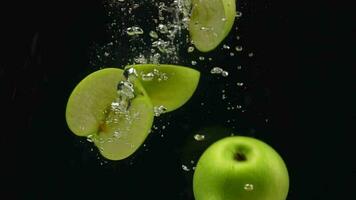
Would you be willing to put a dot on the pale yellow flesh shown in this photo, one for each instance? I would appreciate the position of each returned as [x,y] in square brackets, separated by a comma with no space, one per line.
[88,114]
[90,98]
[120,140]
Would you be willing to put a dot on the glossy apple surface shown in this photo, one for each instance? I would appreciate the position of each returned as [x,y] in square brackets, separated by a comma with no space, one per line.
[240,168]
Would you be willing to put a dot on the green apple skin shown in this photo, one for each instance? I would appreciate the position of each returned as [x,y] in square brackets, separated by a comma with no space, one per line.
[172,92]
[229,167]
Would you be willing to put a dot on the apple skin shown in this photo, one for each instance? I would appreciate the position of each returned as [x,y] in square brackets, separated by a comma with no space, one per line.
[229,166]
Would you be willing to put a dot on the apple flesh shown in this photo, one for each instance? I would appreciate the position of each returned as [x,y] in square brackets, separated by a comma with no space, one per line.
[240,168]
[90,113]
[170,86]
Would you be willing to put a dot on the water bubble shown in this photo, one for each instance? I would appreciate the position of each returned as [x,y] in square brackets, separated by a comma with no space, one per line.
[134,30]
[130,72]
[223,96]
[185,168]
[155,58]
[248,187]
[250,54]
[232,54]
[199,137]
[216,70]
[226,46]
[223,19]
[162,28]
[238,48]
[147,77]
[153,34]
[90,138]
[190,49]
[161,45]
[194,62]
[225,73]
[238,14]
[201,58]
[140,59]
[239,67]
[117,134]
[240,84]
[158,110]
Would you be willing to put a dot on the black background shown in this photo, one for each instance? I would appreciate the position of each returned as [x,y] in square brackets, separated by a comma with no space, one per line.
[305,51]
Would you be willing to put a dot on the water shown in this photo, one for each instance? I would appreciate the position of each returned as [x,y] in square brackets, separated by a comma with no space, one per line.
[155,32]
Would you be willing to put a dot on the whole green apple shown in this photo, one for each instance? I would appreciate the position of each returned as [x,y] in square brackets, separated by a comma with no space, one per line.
[240,168]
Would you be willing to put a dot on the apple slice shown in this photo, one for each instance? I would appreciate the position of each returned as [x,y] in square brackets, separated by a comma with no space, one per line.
[90,112]
[210,22]
[170,86]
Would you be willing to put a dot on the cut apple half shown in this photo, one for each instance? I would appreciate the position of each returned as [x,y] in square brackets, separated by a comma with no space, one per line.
[93,111]
[210,22]
[170,86]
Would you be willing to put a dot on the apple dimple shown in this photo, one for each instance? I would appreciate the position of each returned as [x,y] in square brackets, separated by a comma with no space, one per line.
[239,156]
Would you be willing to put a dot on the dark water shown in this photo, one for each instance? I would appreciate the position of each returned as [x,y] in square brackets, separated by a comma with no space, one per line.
[284,103]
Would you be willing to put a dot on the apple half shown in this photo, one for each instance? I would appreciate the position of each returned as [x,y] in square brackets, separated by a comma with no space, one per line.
[210,22]
[170,86]
[89,113]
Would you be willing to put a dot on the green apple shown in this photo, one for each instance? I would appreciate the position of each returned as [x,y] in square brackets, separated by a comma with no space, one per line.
[210,22]
[92,111]
[240,168]
[169,86]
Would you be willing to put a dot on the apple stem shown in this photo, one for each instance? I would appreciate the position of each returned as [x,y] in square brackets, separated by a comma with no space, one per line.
[240,156]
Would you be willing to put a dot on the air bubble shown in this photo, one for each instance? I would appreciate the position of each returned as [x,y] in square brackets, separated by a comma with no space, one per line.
[190,49]
[238,14]
[90,138]
[238,48]
[185,168]
[158,110]
[199,137]
[248,187]
[134,30]
[153,34]
[216,70]
[162,28]
[225,73]
[226,46]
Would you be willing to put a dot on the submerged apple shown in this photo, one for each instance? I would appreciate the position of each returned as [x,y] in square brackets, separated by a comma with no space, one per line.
[240,168]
